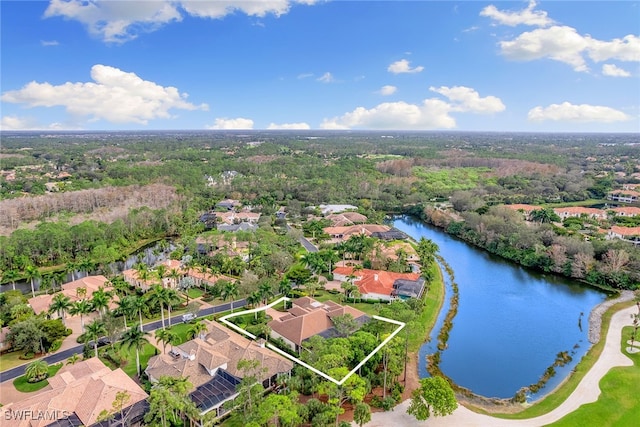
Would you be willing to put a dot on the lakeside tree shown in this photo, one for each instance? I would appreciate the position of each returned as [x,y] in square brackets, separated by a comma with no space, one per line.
[434,397]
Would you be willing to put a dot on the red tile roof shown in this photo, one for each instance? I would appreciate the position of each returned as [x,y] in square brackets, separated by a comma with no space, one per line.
[375,281]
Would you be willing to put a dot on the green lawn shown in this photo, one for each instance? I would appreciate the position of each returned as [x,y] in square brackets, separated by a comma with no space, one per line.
[130,354]
[181,329]
[12,359]
[21,383]
[195,292]
[323,296]
[618,405]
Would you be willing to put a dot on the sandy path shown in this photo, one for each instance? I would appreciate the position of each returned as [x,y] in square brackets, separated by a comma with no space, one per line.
[587,391]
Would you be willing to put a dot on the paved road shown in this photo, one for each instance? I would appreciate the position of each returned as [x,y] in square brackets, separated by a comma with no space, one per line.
[308,245]
[149,327]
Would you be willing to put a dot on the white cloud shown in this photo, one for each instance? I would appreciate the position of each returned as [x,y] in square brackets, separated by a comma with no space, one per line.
[613,71]
[49,43]
[304,76]
[624,49]
[387,90]
[237,123]
[465,99]
[432,113]
[300,125]
[120,21]
[565,44]
[326,78]
[562,44]
[115,96]
[402,66]
[583,113]
[528,16]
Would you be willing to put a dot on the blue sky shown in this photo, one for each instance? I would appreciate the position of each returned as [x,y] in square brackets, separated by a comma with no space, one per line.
[310,64]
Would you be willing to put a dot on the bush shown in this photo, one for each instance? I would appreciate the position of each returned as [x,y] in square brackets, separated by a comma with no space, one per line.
[27,356]
[55,346]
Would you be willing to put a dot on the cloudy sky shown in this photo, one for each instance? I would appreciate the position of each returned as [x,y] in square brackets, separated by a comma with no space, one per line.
[314,64]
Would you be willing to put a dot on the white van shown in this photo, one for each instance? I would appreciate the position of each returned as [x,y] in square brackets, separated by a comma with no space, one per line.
[188,317]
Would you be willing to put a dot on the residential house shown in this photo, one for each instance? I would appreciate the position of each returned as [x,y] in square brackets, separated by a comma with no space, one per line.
[578,211]
[525,209]
[339,234]
[331,209]
[210,361]
[624,196]
[41,303]
[76,396]
[382,285]
[630,234]
[309,317]
[629,211]
[132,277]
[346,218]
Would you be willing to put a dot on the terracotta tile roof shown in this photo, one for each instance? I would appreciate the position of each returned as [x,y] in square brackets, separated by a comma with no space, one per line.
[309,317]
[625,231]
[86,389]
[220,347]
[626,211]
[346,219]
[41,303]
[366,229]
[375,281]
[526,208]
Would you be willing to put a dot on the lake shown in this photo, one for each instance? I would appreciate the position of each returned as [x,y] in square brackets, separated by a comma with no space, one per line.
[511,321]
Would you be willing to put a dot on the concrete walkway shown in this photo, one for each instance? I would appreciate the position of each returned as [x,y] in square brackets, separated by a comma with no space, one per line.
[587,391]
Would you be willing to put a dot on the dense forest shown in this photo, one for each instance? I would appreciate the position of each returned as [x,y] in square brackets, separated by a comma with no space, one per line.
[68,197]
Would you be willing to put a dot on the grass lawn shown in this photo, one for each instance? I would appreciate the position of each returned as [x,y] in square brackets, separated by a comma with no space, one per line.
[21,383]
[195,292]
[433,300]
[618,405]
[323,296]
[561,394]
[12,359]
[181,330]
[130,354]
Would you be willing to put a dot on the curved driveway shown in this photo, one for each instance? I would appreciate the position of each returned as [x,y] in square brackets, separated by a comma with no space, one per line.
[587,391]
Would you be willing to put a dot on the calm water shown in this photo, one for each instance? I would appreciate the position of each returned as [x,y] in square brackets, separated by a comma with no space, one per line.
[511,322]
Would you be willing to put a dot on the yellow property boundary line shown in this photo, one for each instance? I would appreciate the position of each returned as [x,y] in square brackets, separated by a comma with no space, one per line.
[224,319]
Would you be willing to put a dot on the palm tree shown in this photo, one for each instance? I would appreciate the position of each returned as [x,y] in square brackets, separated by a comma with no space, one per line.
[60,304]
[100,301]
[95,330]
[86,266]
[284,287]
[75,357]
[135,337]
[265,291]
[11,276]
[196,330]
[60,278]
[174,275]
[72,267]
[139,303]
[230,291]
[157,296]
[167,336]
[37,371]
[161,273]
[81,307]
[127,307]
[32,273]
[172,298]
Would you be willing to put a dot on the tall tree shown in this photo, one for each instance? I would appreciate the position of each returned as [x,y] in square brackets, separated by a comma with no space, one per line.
[157,297]
[11,276]
[434,397]
[229,291]
[60,304]
[36,371]
[167,336]
[95,330]
[32,273]
[196,330]
[81,307]
[135,337]
[100,301]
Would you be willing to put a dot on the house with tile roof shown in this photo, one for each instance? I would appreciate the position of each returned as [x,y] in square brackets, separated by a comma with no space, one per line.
[382,285]
[77,395]
[624,196]
[346,218]
[630,234]
[41,303]
[578,211]
[308,317]
[210,361]
[339,234]
[628,211]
